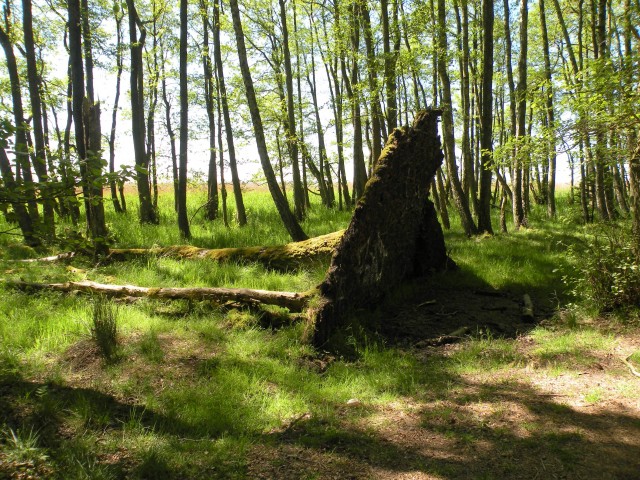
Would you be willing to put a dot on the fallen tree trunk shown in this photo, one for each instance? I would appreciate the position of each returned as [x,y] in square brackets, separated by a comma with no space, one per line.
[280,257]
[294,301]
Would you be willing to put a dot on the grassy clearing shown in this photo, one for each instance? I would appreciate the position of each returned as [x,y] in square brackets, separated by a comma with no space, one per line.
[197,391]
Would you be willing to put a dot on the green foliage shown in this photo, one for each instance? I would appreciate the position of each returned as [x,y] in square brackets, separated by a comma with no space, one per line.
[22,445]
[606,271]
[104,330]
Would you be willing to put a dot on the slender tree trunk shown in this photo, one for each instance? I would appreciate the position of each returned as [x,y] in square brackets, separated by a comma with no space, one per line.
[114,113]
[223,187]
[519,217]
[289,220]
[147,213]
[23,170]
[40,153]
[235,178]
[292,139]
[447,128]
[549,92]
[376,137]
[209,90]
[183,219]
[172,136]
[486,142]
[86,119]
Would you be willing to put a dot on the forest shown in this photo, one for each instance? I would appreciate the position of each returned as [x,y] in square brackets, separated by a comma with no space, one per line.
[300,239]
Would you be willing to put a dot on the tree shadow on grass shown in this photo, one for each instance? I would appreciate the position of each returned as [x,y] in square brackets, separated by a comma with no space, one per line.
[502,430]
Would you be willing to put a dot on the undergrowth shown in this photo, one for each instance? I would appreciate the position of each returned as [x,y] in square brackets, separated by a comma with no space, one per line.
[198,387]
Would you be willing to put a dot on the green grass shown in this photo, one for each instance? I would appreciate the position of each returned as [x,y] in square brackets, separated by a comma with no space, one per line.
[197,387]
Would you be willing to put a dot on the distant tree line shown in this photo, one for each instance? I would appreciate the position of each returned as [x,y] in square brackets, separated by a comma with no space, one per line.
[318,86]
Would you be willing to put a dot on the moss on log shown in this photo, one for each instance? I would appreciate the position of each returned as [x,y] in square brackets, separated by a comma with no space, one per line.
[294,301]
[280,257]
[394,233]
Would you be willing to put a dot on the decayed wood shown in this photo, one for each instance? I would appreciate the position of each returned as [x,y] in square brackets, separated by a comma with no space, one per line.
[294,301]
[394,233]
[280,257]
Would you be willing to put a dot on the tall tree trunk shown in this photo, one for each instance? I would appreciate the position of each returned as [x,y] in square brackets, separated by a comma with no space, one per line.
[462,204]
[171,133]
[519,217]
[183,219]
[235,178]
[223,187]
[351,81]
[376,137]
[289,220]
[86,120]
[40,153]
[548,93]
[390,59]
[292,140]
[147,213]
[209,91]
[486,143]
[114,113]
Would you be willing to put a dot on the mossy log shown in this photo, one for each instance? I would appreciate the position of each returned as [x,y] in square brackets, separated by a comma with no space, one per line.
[280,257]
[295,302]
[394,233]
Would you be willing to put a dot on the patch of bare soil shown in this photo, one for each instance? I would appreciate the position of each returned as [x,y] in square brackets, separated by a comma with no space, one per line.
[428,311]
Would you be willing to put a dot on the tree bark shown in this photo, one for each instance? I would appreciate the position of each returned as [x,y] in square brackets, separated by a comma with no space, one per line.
[209,95]
[280,257]
[235,179]
[486,120]
[183,219]
[40,153]
[394,233]
[148,214]
[289,220]
[119,208]
[461,201]
[292,139]
[294,301]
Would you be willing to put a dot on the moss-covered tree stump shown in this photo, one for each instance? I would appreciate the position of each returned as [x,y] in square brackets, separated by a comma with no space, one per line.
[394,233]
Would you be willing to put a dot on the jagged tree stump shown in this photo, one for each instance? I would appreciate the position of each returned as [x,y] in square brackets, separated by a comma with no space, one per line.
[394,233]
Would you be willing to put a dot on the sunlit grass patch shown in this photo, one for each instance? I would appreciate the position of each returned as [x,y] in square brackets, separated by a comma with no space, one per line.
[570,348]
[485,354]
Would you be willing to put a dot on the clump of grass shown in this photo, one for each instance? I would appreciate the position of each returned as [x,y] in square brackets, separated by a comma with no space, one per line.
[22,445]
[104,329]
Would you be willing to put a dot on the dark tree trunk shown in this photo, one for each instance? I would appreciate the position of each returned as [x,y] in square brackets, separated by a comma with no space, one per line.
[393,235]
[40,153]
[22,153]
[209,96]
[235,178]
[292,139]
[147,213]
[86,120]
[183,219]
[519,213]
[461,201]
[486,143]
[22,216]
